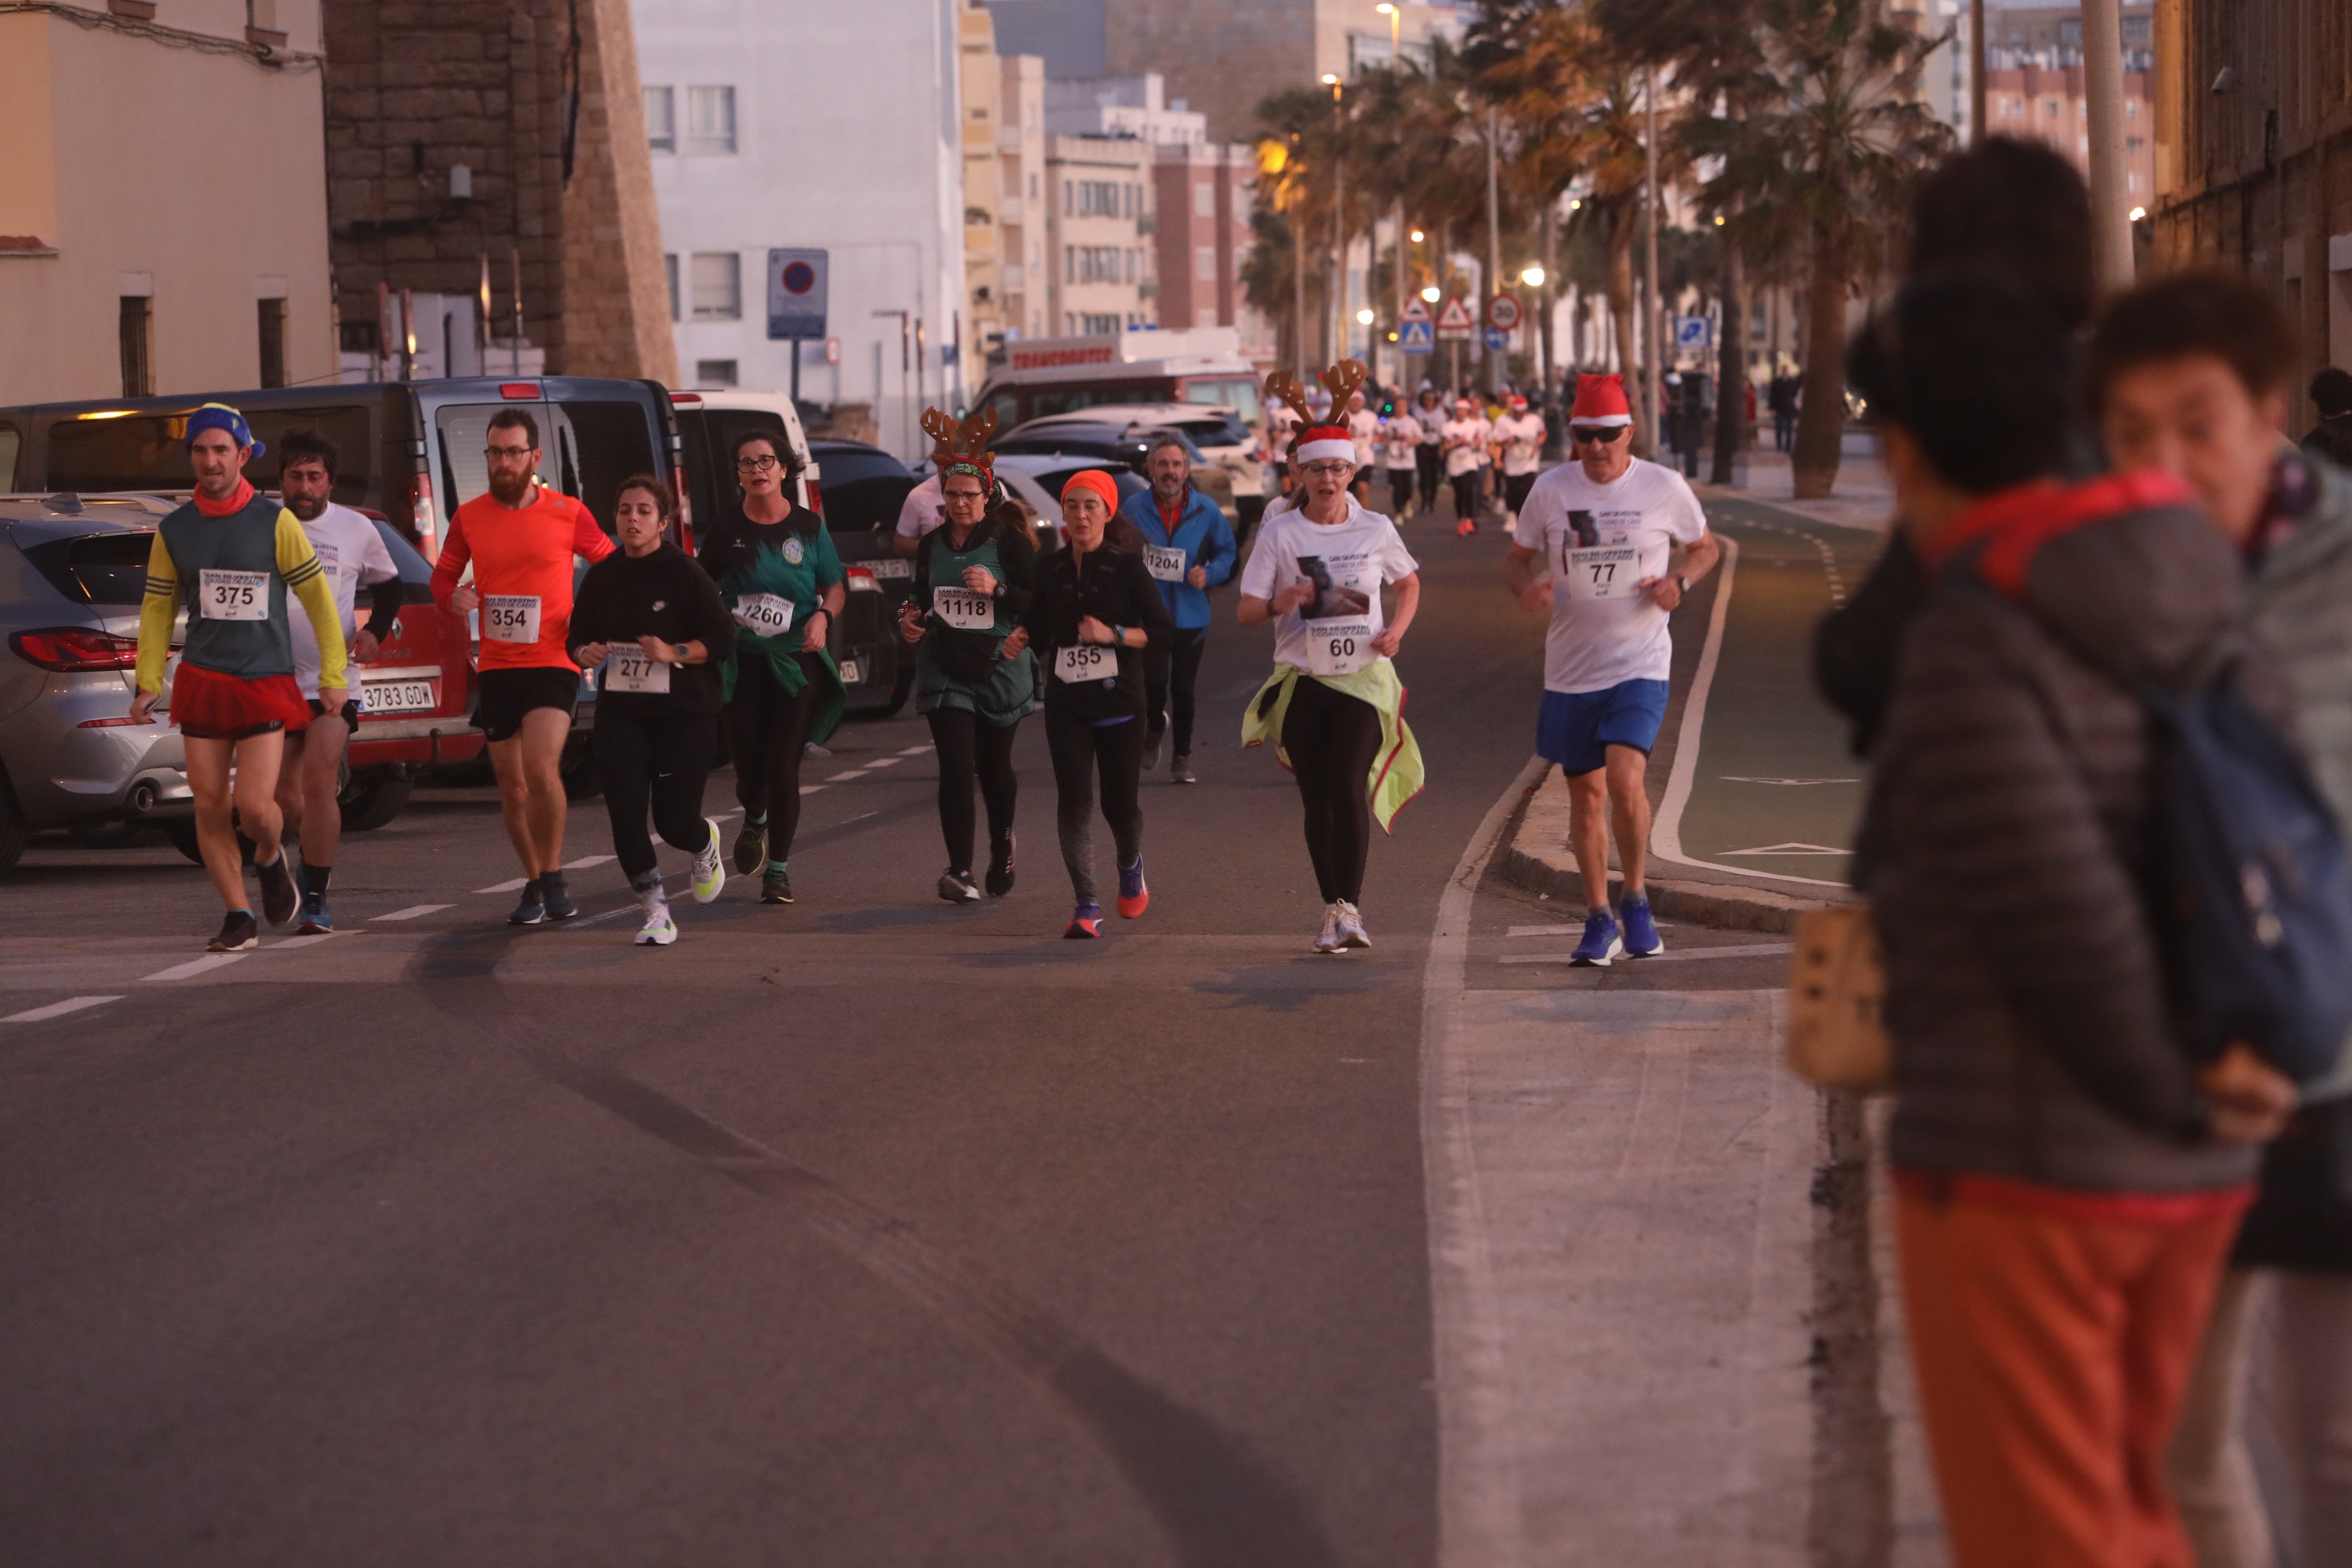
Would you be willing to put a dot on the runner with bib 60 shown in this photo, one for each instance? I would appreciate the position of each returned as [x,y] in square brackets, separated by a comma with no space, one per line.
[1334,707]
[1607,525]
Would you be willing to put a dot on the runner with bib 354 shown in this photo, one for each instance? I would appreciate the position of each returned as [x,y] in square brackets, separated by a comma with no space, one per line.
[1607,527]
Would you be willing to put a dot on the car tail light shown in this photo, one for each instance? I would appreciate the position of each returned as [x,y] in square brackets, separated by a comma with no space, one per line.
[686,397]
[518,389]
[72,648]
[815,495]
[420,516]
[685,504]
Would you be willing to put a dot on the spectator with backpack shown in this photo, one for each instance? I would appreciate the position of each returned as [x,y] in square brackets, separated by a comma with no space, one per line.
[2188,374]
[2070,1175]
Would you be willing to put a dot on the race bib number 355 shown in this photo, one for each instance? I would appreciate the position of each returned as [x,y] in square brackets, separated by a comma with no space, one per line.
[511,617]
[1603,572]
[225,595]
[764,615]
[1089,661]
[1338,648]
[964,610]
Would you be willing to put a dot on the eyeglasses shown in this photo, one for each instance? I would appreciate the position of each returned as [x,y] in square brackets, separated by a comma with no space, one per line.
[755,464]
[963,495]
[495,453]
[1333,468]
[1597,434]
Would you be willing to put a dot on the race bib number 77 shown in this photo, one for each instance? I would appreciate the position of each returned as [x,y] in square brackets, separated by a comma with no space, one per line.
[1603,572]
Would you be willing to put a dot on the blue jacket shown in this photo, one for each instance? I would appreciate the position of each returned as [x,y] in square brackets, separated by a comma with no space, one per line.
[1206,541]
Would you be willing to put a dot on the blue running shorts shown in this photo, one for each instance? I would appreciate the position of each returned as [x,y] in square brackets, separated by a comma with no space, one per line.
[1576,729]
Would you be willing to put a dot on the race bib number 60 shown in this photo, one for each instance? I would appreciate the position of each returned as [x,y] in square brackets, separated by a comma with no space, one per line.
[1089,661]
[234,595]
[1338,648]
[1603,572]
[511,617]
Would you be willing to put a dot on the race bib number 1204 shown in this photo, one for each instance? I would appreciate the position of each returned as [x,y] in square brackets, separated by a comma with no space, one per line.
[1165,563]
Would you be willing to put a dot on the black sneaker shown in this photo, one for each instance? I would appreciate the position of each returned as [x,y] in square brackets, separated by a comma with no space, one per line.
[751,846]
[1152,741]
[776,886]
[1000,867]
[279,897]
[560,906]
[956,886]
[533,907]
[237,933]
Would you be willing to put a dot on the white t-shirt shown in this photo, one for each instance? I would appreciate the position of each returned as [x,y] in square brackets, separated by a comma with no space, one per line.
[353,554]
[1281,423]
[1522,436]
[1597,643]
[1364,430]
[1399,436]
[1485,442]
[1464,459]
[925,509]
[1430,419]
[1358,556]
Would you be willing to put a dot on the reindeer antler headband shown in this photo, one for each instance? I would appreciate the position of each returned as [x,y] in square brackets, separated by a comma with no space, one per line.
[962,444]
[1329,440]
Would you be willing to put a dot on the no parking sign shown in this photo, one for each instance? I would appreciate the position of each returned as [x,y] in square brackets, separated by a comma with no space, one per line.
[796,283]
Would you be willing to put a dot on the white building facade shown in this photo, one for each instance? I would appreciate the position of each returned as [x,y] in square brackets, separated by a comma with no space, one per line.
[835,129]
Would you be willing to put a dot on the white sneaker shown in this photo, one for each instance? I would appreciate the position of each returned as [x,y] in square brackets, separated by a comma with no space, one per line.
[1351,925]
[710,871]
[1331,941]
[660,930]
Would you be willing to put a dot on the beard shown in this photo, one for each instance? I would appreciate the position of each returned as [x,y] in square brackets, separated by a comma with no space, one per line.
[306,509]
[511,492]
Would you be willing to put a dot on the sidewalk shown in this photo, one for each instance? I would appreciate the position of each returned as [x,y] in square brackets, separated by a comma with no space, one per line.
[1862,497]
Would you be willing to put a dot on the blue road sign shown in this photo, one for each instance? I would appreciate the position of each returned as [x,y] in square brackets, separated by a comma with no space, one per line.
[1497,340]
[796,287]
[1416,337]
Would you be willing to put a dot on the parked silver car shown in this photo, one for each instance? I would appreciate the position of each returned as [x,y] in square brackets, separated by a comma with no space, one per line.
[72,573]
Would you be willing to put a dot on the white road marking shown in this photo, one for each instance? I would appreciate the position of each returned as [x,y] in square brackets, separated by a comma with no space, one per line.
[916,750]
[1790,848]
[58,1009]
[583,862]
[194,966]
[884,761]
[845,778]
[516,885]
[1747,949]
[811,789]
[1734,778]
[301,942]
[413,910]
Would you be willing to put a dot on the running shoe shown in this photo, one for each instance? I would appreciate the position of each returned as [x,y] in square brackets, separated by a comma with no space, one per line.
[816,752]
[1000,866]
[751,846]
[1642,938]
[1465,528]
[316,921]
[278,898]
[709,875]
[1329,939]
[957,886]
[532,909]
[560,906]
[1134,897]
[1152,740]
[776,884]
[1181,771]
[1351,925]
[238,934]
[1601,943]
[1085,921]
[660,930]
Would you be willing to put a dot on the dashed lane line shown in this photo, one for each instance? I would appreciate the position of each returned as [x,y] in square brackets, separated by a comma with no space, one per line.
[58,1009]
[413,910]
[916,750]
[196,966]
[845,778]
[885,763]
[516,885]
[1748,950]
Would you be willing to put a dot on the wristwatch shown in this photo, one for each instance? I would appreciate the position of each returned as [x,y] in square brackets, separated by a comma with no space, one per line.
[1681,585]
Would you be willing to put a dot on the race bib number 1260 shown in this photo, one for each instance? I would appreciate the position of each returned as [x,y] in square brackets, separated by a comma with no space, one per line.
[764,615]
[234,595]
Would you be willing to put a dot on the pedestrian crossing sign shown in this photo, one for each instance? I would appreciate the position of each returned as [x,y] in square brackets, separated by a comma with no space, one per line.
[1416,337]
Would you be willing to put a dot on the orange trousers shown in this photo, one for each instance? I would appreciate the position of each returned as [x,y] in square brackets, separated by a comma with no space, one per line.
[2052,1353]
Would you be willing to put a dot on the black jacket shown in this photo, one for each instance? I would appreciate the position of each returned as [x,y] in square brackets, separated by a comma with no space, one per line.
[663,594]
[1116,589]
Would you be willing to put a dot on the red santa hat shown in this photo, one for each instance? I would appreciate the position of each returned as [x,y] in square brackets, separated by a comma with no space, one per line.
[1324,438]
[1600,400]
[1518,404]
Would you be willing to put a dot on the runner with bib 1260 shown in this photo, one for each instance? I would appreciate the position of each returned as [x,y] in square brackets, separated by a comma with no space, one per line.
[1334,707]
[1606,526]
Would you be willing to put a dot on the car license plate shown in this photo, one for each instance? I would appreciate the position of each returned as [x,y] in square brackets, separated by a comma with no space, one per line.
[849,672]
[396,696]
[891,566]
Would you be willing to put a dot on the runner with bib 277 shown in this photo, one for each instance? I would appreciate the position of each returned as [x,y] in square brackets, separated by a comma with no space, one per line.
[1607,527]
[1334,707]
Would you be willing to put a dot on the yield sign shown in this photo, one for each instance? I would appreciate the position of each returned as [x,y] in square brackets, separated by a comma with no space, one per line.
[1454,320]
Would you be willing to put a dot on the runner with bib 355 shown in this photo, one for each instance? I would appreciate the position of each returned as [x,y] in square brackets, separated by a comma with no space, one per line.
[1606,526]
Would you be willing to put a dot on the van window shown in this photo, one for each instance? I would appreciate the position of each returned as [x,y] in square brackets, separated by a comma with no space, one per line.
[1007,405]
[461,430]
[349,427]
[709,436]
[11,438]
[145,452]
[1238,393]
[598,444]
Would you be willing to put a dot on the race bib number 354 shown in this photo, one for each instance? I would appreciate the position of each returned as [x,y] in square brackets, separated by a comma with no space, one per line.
[226,596]
[511,617]
[1338,648]
[1089,661]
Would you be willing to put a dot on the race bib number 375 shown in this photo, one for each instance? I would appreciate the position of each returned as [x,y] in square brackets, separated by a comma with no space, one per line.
[226,596]
[1088,661]
[511,617]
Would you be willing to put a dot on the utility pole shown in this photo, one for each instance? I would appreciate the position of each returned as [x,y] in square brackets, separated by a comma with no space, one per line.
[1339,225]
[1493,256]
[1653,311]
[2103,91]
[1976,73]
[1400,241]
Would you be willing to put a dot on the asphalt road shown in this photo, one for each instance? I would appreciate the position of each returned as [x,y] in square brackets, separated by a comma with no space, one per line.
[870,1230]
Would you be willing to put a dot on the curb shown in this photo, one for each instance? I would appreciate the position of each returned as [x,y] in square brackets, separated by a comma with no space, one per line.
[1537,859]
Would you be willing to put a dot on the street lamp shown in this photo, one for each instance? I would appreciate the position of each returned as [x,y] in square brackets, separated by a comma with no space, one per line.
[1431,293]
[1532,276]
[1417,236]
[1364,317]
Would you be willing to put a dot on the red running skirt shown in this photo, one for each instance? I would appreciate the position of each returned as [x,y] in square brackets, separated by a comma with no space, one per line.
[211,706]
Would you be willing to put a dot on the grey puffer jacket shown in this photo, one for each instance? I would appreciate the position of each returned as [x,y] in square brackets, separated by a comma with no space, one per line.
[2009,846]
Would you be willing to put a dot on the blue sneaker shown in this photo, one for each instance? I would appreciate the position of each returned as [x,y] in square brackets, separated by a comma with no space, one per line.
[316,921]
[1602,945]
[1641,939]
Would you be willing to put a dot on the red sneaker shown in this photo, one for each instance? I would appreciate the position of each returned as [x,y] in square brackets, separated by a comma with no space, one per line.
[1134,897]
[1465,528]
[1086,922]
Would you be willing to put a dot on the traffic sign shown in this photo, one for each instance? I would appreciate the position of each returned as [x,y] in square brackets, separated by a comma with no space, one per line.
[1414,337]
[1497,340]
[1503,312]
[1416,309]
[1691,331]
[1454,321]
[797,289]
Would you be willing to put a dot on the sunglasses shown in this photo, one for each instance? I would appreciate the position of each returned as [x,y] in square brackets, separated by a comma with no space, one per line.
[1597,434]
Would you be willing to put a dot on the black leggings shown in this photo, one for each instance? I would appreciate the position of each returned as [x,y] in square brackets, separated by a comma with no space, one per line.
[1428,463]
[970,747]
[1400,482]
[1465,494]
[1331,739]
[767,726]
[662,762]
[1171,670]
[1079,751]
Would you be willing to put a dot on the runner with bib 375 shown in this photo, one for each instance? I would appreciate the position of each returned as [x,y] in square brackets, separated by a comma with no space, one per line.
[1606,526]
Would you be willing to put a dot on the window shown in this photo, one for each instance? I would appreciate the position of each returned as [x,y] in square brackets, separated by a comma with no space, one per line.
[1204,200]
[1069,264]
[1091,264]
[137,331]
[1095,324]
[273,341]
[714,372]
[1204,262]
[661,119]
[711,120]
[1097,198]
[669,272]
[718,278]
[1033,188]
[1069,204]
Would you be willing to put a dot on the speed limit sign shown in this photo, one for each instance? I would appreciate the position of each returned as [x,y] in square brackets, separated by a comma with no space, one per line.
[1503,312]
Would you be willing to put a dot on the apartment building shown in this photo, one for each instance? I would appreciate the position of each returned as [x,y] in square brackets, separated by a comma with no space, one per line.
[1100,228]
[1203,195]
[2047,105]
